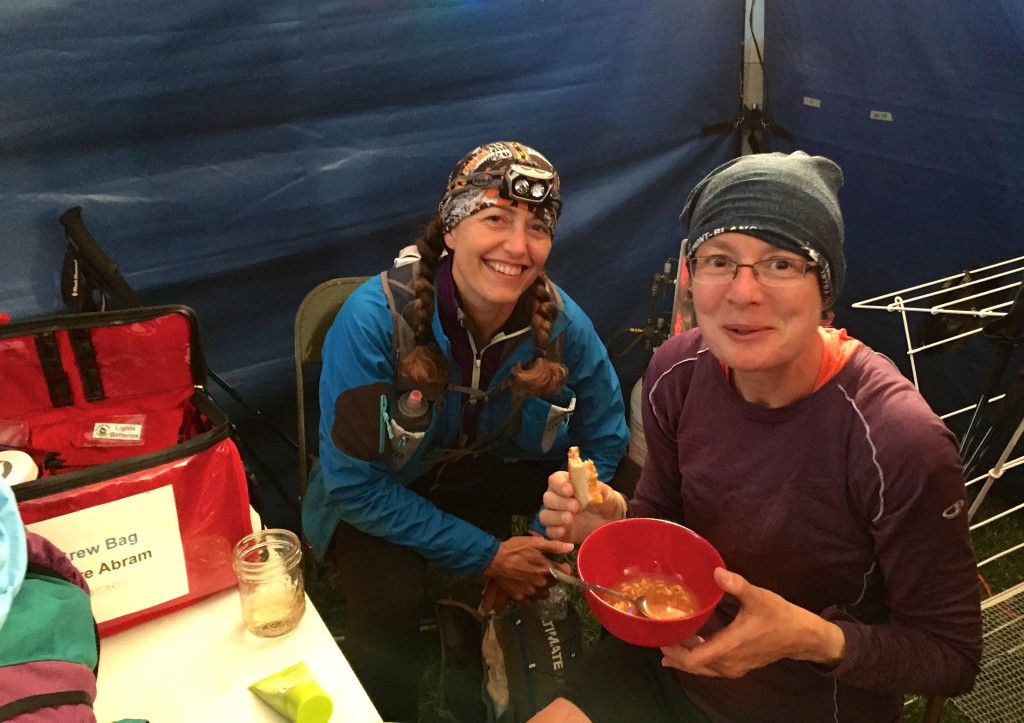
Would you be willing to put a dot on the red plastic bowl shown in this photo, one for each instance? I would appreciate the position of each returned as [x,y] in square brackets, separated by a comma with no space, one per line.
[642,545]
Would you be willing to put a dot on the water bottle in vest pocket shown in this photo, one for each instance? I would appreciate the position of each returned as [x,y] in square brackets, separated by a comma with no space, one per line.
[409,422]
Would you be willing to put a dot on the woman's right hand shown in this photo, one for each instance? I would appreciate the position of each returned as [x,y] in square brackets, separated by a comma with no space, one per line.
[562,517]
[520,566]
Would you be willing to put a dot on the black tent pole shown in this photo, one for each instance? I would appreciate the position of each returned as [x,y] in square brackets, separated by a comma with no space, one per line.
[1005,333]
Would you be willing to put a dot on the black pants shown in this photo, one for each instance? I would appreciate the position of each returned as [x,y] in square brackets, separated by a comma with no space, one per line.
[385,584]
[615,682]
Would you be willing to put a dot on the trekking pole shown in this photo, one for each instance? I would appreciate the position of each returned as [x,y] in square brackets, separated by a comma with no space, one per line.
[108,278]
[255,412]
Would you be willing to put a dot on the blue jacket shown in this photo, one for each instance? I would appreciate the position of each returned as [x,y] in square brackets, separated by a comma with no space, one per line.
[356,480]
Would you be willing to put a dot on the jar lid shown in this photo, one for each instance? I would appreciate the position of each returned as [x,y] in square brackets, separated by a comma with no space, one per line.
[308,703]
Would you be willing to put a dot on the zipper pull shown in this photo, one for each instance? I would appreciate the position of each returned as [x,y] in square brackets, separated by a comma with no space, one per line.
[385,424]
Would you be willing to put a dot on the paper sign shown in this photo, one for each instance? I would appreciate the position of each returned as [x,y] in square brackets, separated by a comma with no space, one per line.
[129,551]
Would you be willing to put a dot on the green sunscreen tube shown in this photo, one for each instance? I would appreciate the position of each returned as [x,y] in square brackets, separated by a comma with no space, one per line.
[295,694]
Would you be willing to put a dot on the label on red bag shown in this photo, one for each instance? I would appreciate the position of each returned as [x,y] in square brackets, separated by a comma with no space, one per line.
[129,551]
[125,429]
[122,432]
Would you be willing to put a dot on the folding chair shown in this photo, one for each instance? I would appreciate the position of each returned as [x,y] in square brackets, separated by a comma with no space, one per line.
[312,320]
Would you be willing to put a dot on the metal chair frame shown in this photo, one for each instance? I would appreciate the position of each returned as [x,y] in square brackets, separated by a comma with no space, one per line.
[313,318]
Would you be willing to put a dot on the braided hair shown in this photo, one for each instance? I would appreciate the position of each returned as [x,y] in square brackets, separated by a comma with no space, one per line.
[541,377]
[424,365]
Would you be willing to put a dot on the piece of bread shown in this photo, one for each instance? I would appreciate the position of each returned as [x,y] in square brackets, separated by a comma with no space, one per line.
[583,476]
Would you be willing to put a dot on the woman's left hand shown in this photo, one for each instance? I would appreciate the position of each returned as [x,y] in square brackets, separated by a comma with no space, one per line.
[767,628]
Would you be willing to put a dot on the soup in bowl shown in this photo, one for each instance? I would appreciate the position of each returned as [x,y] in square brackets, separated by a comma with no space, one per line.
[670,564]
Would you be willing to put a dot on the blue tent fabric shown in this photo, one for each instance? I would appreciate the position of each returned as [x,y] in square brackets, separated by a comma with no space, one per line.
[231,155]
[922,104]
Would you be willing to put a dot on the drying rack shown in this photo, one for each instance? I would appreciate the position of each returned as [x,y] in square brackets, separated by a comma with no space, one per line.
[985,299]
[984,294]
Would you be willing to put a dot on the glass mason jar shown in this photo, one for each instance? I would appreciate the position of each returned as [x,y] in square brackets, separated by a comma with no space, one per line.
[268,564]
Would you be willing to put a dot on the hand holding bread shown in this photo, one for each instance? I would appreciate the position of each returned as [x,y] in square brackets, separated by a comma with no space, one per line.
[595,502]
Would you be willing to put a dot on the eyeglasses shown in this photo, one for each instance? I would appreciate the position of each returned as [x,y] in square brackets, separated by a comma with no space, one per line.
[518,182]
[775,271]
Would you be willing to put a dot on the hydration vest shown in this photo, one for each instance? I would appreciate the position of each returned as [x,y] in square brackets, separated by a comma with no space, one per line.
[397,285]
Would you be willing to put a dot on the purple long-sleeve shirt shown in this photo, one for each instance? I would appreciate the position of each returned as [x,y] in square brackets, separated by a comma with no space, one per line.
[849,503]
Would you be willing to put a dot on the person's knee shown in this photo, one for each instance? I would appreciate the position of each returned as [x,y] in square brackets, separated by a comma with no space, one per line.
[560,710]
[373,599]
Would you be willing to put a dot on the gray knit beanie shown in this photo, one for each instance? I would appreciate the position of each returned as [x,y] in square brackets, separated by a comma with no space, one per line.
[787,200]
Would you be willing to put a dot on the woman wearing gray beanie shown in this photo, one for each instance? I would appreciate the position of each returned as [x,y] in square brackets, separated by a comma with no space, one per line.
[832,491]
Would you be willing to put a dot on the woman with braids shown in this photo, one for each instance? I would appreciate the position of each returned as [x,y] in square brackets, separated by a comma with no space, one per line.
[513,374]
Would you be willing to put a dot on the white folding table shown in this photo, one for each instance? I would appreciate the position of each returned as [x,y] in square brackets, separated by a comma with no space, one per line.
[195,666]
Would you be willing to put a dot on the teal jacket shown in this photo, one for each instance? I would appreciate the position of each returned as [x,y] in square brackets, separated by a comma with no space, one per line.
[359,478]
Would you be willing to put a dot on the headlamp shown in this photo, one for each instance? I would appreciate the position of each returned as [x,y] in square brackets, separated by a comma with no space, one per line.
[517,182]
[501,174]
[527,183]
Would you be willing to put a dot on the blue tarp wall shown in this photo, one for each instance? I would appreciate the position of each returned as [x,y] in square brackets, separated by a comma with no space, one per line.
[937,188]
[231,155]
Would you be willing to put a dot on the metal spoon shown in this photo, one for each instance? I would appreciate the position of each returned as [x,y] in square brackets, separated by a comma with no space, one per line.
[638,605]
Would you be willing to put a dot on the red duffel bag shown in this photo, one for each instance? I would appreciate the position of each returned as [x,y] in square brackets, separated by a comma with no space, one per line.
[137,478]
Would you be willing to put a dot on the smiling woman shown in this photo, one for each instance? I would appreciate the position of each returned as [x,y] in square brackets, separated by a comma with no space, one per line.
[512,373]
[832,491]
[496,256]
[763,325]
